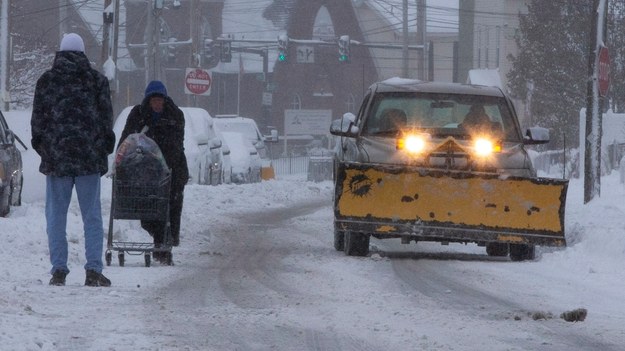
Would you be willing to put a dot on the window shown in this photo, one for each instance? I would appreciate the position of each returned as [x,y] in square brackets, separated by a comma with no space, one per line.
[440,114]
[350,104]
[296,102]
[323,29]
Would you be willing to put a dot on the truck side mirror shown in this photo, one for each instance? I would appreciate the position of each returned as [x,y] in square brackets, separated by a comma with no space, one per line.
[536,135]
[345,126]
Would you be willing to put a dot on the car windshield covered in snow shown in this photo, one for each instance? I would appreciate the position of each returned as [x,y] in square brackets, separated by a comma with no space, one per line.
[439,114]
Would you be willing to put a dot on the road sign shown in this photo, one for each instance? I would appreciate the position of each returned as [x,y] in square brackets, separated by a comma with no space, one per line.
[267,98]
[197,82]
[305,54]
[311,122]
[604,71]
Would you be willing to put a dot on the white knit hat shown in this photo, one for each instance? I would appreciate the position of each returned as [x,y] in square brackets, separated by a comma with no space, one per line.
[72,42]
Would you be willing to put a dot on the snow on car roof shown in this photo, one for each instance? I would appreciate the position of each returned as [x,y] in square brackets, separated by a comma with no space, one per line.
[402,84]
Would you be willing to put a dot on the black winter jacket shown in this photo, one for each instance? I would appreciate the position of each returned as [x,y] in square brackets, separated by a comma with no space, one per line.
[72,119]
[167,132]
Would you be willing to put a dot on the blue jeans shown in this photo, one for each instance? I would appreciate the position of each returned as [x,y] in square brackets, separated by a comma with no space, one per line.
[58,197]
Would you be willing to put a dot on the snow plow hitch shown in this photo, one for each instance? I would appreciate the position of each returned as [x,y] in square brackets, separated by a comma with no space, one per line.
[448,206]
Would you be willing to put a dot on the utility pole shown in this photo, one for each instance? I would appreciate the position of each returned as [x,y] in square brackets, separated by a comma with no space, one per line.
[194,34]
[405,35]
[422,29]
[153,53]
[156,38]
[110,35]
[592,140]
[106,32]
[4,54]
[62,18]
[116,34]
[149,52]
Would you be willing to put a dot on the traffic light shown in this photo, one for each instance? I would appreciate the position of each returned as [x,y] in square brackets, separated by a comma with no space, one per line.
[211,57]
[283,47]
[225,52]
[344,48]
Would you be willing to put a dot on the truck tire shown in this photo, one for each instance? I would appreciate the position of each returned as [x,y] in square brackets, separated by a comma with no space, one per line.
[522,252]
[339,240]
[356,244]
[497,249]
[5,201]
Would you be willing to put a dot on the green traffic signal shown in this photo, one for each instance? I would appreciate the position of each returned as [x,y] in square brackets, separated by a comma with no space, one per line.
[282,57]
[343,58]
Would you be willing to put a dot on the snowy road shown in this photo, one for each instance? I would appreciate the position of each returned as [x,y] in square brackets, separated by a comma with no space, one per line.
[271,280]
[257,270]
[243,297]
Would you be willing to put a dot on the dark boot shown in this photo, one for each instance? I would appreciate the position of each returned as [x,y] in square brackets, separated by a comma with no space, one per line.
[96,279]
[58,278]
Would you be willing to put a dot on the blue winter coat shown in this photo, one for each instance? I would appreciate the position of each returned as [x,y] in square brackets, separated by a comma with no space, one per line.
[72,120]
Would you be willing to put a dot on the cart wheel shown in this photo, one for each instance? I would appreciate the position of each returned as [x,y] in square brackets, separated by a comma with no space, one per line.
[148,259]
[109,257]
[120,256]
[169,259]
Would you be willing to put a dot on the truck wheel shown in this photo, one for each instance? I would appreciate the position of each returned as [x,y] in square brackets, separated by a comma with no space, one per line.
[339,240]
[522,252]
[356,244]
[497,249]
[5,203]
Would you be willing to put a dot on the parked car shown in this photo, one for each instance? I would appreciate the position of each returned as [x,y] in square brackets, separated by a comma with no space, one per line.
[249,128]
[246,163]
[211,160]
[11,175]
[203,148]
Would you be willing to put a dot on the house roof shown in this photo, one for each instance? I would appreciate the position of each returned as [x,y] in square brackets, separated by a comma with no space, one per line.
[91,13]
[442,14]
[266,19]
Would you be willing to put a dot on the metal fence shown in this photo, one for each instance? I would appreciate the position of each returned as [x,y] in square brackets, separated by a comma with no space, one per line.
[316,168]
[290,165]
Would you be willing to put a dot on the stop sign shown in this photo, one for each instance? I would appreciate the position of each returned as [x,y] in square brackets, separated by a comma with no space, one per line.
[604,71]
[197,81]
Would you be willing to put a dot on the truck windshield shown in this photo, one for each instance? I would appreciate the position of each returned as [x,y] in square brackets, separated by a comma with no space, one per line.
[440,115]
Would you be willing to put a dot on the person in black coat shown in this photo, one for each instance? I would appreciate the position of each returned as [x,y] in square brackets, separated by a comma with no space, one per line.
[165,125]
[72,131]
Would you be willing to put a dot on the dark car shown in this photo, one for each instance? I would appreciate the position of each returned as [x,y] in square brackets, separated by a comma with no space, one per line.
[11,176]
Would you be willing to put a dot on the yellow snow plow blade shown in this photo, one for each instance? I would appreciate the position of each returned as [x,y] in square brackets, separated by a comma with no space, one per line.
[449,205]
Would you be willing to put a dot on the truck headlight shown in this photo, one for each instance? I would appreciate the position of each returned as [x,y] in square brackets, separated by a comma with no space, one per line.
[484,147]
[413,143]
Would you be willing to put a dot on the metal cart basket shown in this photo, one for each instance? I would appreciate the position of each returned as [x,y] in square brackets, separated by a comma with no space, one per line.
[143,201]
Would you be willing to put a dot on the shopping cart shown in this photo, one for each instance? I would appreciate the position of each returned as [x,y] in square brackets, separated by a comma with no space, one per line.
[143,201]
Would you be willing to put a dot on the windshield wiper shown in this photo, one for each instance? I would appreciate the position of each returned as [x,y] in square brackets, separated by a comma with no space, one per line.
[386,132]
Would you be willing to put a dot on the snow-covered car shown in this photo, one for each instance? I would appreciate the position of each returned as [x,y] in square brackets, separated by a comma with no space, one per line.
[245,161]
[249,128]
[11,177]
[211,160]
[203,148]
